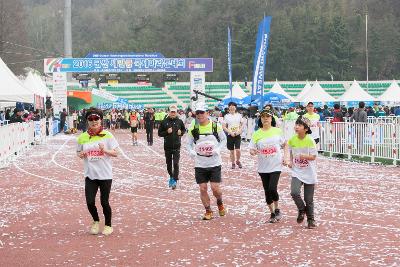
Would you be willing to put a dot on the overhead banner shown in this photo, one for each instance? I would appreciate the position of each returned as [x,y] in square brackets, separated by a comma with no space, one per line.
[123,55]
[127,65]
[59,92]
[259,60]
[230,61]
[198,83]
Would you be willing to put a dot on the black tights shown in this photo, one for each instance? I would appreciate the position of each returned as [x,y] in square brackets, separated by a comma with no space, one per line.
[91,188]
[270,184]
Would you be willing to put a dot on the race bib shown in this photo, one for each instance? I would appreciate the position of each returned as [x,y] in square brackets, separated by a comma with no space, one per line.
[268,151]
[134,124]
[94,155]
[205,148]
[301,163]
[234,128]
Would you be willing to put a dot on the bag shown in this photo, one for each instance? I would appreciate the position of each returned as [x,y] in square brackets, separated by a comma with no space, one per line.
[196,131]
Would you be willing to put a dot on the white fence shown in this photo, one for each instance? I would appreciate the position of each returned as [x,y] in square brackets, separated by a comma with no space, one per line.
[16,138]
[374,140]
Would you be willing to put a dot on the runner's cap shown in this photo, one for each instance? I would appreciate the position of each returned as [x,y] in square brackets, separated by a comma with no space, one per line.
[201,106]
[173,108]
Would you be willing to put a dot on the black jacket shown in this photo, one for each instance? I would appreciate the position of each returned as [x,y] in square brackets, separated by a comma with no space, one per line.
[171,140]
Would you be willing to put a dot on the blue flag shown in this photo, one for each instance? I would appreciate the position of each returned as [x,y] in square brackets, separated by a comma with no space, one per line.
[260,56]
[230,61]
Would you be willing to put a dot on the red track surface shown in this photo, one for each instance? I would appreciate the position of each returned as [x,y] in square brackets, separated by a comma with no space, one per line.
[44,220]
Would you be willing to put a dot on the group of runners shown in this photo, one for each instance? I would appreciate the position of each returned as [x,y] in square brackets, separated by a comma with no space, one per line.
[205,139]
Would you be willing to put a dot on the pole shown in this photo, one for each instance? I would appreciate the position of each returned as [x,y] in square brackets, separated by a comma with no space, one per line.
[366,44]
[67,33]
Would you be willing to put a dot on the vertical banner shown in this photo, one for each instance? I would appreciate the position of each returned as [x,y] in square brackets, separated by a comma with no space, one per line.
[230,61]
[59,92]
[198,83]
[260,55]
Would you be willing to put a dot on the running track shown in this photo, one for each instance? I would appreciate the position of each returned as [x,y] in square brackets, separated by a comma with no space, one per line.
[44,220]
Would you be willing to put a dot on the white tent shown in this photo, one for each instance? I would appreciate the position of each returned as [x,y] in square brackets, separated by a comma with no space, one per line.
[35,84]
[356,93]
[317,94]
[276,88]
[237,92]
[11,88]
[303,92]
[392,94]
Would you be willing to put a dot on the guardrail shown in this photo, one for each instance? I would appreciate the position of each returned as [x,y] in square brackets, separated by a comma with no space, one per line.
[374,140]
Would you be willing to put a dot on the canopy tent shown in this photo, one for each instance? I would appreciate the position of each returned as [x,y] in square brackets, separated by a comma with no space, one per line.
[276,88]
[11,88]
[303,92]
[277,100]
[237,92]
[392,94]
[316,94]
[356,93]
[37,86]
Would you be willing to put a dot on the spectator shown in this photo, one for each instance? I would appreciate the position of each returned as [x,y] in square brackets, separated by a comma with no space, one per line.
[337,114]
[360,115]
[17,116]
[7,116]
[63,118]
[380,112]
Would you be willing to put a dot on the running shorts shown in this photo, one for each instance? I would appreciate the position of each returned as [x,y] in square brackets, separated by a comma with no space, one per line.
[134,129]
[205,175]
[233,142]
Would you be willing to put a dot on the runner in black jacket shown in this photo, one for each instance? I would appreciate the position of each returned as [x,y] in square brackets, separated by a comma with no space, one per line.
[172,128]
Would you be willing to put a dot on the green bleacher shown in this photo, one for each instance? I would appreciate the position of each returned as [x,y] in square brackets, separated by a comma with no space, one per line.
[375,89]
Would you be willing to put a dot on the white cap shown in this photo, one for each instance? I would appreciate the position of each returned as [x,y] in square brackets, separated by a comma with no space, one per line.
[173,108]
[201,106]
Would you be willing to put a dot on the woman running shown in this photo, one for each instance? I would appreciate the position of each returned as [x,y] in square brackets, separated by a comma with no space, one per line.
[96,147]
[267,142]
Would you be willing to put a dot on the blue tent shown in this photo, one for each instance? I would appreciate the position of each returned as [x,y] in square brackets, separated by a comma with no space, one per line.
[269,98]
[226,101]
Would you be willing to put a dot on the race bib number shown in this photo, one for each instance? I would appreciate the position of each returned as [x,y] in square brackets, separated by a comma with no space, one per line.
[134,124]
[301,163]
[205,148]
[94,155]
[234,128]
[269,151]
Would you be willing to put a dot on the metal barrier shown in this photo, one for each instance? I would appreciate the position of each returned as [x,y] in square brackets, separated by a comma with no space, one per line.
[374,140]
[15,139]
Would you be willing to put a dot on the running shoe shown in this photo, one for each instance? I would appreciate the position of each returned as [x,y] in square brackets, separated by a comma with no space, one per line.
[107,230]
[171,181]
[272,219]
[94,228]
[173,184]
[233,165]
[221,210]
[300,216]
[278,214]
[208,215]
[239,164]
[311,224]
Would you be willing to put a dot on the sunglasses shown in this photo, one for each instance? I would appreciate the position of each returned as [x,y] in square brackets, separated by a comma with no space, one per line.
[198,112]
[93,118]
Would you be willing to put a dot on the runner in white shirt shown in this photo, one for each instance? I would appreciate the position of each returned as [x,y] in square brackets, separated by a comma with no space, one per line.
[266,143]
[303,152]
[315,121]
[233,124]
[96,147]
[205,141]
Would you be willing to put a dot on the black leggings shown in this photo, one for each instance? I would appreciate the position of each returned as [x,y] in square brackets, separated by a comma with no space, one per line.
[91,188]
[270,184]
[149,134]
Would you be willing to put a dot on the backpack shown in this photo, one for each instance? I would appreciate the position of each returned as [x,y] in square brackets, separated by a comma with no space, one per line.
[196,131]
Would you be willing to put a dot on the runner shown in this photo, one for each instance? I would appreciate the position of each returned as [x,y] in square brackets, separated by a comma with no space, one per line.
[233,127]
[315,121]
[267,142]
[205,140]
[96,147]
[134,122]
[149,125]
[172,128]
[303,152]
[114,116]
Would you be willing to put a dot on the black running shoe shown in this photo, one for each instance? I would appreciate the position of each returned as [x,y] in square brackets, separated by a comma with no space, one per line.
[272,219]
[311,224]
[300,217]
[278,214]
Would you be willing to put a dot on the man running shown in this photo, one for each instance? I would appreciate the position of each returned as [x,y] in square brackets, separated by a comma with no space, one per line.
[205,141]
[134,122]
[233,124]
[172,128]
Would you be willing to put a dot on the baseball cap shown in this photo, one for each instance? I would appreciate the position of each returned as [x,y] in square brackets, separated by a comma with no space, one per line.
[173,108]
[267,112]
[201,106]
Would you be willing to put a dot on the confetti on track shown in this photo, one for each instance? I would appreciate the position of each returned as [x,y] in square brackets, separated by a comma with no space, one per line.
[44,220]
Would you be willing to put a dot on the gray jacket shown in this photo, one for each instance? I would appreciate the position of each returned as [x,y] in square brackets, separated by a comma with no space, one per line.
[359,115]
